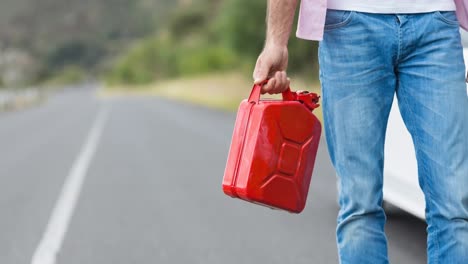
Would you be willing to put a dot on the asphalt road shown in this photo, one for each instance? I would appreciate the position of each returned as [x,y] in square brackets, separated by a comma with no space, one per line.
[152,192]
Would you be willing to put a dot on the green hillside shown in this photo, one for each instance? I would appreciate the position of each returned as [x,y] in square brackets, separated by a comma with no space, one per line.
[207,36]
[133,41]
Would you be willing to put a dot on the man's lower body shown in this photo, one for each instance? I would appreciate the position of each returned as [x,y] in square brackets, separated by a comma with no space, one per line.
[365,59]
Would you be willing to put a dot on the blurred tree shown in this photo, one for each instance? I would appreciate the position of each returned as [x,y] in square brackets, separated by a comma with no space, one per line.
[187,21]
[204,36]
[74,52]
[241,25]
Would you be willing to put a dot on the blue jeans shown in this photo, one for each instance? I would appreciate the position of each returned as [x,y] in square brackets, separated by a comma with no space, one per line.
[365,59]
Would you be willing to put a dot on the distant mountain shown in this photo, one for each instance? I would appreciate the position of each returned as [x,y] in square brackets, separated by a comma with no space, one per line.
[59,32]
[42,21]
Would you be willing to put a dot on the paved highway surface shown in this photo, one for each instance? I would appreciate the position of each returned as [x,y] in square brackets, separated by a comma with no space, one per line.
[142,183]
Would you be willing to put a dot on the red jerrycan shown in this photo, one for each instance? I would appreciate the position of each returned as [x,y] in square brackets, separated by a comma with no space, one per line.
[273,150]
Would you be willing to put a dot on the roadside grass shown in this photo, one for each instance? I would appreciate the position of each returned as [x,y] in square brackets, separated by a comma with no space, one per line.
[218,91]
[19,99]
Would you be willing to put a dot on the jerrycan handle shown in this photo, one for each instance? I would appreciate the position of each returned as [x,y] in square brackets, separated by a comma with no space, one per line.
[255,94]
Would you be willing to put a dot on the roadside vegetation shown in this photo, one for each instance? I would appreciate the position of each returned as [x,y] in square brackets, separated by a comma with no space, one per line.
[205,36]
[222,91]
[205,53]
[43,40]
[141,46]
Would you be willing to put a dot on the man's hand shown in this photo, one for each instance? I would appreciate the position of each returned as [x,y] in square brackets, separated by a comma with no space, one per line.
[272,64]
[273,61]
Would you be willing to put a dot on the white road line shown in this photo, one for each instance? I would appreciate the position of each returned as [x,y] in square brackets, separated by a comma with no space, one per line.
[52,239]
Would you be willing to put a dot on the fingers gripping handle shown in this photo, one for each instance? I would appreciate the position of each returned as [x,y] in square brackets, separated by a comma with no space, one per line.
[310,100]
[256,91]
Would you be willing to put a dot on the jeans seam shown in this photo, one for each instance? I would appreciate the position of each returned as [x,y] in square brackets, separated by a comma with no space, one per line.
[400,41]
[325,112]
[424,181]
[327,125]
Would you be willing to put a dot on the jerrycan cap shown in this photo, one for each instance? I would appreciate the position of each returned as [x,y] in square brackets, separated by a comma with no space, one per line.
[310,100]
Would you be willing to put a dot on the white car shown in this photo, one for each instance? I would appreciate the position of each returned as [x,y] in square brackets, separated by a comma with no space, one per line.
[401,187]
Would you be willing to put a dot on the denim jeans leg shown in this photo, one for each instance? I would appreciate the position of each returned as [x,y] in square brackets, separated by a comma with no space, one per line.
[433,102]
[358,85]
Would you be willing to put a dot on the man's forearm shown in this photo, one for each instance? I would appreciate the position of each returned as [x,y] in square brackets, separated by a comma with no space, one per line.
[279,21]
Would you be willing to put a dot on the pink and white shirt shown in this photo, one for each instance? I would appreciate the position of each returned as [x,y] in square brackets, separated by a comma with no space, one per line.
[312,18]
